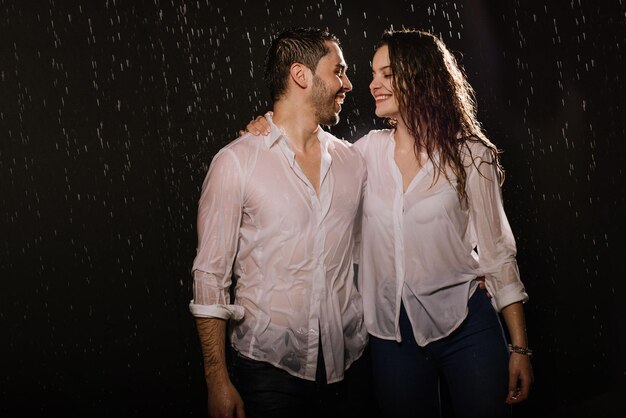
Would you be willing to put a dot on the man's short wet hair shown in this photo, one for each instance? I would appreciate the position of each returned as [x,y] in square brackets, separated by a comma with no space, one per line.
[297,45]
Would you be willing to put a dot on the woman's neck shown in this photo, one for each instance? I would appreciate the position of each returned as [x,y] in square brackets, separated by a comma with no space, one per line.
[404,140]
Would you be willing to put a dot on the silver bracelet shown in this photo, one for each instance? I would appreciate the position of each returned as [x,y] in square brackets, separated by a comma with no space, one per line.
[520,350]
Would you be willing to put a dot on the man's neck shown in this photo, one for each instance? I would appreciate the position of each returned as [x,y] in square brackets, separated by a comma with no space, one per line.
[298,123]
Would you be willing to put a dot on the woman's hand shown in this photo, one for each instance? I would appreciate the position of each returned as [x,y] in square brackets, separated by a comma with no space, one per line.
[520,378]
[258,125]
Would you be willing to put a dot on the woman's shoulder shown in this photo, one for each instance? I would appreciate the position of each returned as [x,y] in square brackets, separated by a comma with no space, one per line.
[481,156]
[373,138]
[474,148]
[374,133]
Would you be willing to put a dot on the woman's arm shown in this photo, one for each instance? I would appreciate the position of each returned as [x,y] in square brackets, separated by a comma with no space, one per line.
[520,369]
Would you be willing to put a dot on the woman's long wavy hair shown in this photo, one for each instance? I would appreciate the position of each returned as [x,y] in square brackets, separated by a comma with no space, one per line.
[436,102]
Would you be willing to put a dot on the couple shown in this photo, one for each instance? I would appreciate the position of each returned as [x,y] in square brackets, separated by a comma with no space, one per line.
[287,209]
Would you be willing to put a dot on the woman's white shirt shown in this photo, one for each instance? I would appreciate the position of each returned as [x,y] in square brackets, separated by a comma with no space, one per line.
[424,249]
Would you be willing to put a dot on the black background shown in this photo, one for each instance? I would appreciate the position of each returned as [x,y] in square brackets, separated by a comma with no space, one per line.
[110,112]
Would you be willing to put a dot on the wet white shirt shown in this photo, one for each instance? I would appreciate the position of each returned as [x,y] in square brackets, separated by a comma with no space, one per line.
[260,219]
[418,246]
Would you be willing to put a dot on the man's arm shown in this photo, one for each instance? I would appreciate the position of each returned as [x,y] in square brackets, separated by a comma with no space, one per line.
[223,399]
[219,217]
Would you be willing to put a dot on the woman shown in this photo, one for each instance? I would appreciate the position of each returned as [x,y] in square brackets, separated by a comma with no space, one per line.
[433,223]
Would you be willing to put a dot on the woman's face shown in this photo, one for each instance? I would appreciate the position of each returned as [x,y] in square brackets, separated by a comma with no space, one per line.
[381,85]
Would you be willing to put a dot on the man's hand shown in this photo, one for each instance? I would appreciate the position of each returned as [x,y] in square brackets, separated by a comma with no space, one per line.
[224,400]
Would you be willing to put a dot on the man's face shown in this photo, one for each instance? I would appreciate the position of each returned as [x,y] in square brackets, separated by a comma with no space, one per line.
[330,85]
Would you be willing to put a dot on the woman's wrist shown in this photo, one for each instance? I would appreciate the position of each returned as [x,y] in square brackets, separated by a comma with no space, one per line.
[525,351]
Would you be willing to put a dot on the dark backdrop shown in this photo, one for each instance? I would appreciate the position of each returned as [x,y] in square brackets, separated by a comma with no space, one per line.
[110,112]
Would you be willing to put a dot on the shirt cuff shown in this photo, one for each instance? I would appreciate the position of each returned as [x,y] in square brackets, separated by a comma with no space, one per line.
[216,311]
[509,294]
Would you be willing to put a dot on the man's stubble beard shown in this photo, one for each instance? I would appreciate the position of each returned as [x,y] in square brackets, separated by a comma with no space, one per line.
[324,103]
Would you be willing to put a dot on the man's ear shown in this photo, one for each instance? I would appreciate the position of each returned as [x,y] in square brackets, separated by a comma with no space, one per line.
[300,74]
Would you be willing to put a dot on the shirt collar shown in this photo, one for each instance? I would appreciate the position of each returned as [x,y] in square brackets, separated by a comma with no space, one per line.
[275,134]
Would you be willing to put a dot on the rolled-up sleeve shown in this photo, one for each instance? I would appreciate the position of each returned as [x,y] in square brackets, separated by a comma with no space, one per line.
[219,218]
[496,243]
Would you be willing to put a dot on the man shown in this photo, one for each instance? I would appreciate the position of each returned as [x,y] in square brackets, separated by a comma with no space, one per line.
[277,212]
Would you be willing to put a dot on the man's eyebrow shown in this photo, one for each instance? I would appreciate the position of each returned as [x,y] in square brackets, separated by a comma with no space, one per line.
[342,65]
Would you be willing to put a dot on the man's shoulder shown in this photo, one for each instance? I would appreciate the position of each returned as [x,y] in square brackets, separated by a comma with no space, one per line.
[333,141]
[342,146]
[239,154]
[338,142]
[371,135]
[241,146]
[244,142]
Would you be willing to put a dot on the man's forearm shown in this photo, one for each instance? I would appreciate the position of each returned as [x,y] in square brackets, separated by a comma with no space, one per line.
[212,340]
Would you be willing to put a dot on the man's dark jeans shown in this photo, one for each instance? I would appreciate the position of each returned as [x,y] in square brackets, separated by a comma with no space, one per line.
[269,392]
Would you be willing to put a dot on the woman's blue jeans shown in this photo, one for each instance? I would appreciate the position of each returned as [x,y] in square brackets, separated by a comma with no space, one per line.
[472,362]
